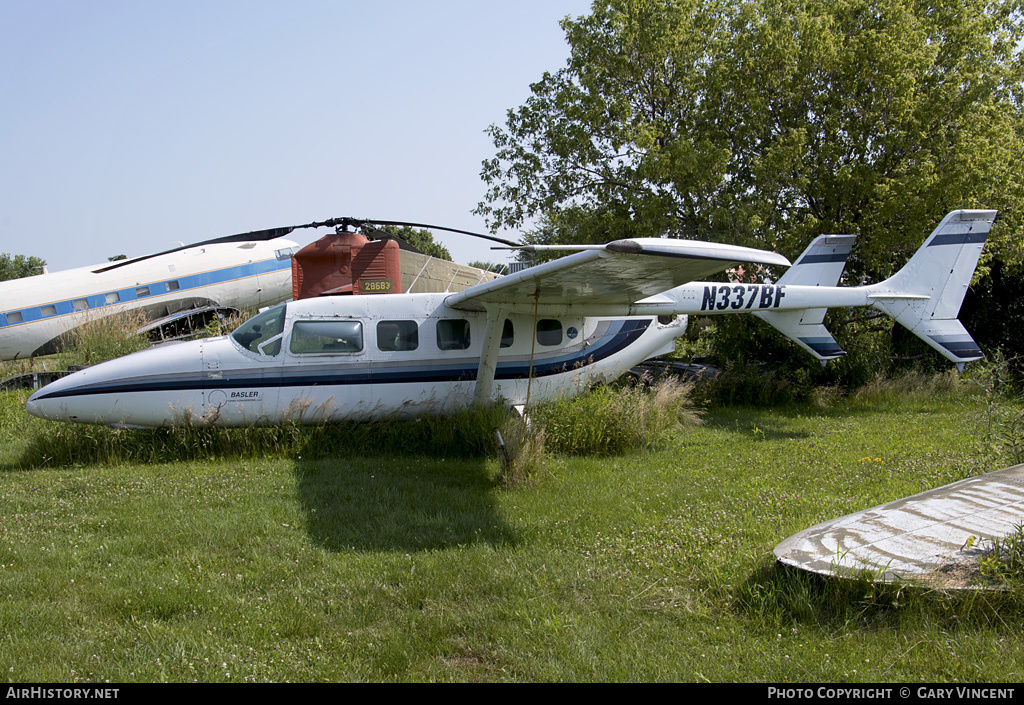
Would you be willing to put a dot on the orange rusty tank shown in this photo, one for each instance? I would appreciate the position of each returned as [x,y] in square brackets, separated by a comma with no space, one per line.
[346,263]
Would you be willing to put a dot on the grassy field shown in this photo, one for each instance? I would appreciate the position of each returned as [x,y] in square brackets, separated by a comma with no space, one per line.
[301,563]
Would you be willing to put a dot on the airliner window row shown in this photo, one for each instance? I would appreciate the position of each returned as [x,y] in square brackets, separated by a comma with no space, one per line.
[208,278]
[61,308]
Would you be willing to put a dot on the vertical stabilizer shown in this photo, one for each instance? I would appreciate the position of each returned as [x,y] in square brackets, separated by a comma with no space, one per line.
[925,296]
[822,263]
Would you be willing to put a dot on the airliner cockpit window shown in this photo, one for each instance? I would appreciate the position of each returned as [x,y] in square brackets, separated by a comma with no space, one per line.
[261,334]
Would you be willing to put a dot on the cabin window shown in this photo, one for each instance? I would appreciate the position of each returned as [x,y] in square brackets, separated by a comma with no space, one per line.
[14,317]
[326,337]
[452,334]
[262,333]
[173,285]
[112,298]
[549,332]
[393,336]
[507,334]
[142,291]
[80,304]
[48,311]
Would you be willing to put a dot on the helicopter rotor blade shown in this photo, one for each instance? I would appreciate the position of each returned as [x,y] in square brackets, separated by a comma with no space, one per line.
[385,235]
[441,227]
[274,233]
[268,234]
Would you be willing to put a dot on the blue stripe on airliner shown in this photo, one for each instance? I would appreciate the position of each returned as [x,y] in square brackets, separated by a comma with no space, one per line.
[157,288]
[620,335]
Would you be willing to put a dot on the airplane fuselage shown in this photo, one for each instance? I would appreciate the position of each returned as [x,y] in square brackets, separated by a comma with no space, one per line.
[35,312]
[548,331]
[334,358]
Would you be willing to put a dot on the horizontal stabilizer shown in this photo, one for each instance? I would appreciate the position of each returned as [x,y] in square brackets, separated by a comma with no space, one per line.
[947,335]
[821,264]
[804,327]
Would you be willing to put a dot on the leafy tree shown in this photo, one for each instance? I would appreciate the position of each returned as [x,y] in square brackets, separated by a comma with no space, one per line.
[769,121]
[766,122]
[421,239]
[18,266]
[496,267]
[994,310]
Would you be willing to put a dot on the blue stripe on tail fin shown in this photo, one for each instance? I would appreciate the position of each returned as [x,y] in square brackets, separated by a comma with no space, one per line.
[925,296]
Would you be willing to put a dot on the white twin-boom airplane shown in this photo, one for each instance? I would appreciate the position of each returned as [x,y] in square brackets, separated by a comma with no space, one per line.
[548,331]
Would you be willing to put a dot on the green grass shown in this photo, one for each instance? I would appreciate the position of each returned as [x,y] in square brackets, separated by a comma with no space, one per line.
[1003,560]
[242,560]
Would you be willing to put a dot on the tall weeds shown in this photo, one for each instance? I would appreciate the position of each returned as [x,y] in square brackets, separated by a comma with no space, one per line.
[465,434]
[1003,563]
[607,420]
[522,455]
[103,339]
[914,384]
[97,340]
[616,419]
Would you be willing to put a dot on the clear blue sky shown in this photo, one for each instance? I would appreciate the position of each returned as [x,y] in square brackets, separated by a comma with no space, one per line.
[129,125]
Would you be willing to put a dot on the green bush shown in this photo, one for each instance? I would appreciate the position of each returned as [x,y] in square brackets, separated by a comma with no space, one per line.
[615,419]
[756,385]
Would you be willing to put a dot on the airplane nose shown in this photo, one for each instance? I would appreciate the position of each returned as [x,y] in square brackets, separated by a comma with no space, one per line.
[32,407]
[143,389]
[47,408]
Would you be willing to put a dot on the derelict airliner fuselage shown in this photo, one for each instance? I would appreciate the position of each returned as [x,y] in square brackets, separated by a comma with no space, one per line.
[37,313]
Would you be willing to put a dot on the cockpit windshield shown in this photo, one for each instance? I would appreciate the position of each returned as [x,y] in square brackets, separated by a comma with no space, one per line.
[261,334]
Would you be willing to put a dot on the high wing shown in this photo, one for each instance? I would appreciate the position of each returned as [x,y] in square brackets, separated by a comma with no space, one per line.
[610,276]
[601,279]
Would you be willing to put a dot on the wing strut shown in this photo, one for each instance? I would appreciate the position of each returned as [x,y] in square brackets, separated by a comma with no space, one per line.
[489,355]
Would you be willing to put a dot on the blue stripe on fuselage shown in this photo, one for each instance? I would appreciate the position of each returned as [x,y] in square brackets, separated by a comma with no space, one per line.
[156,288]
[619,335]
